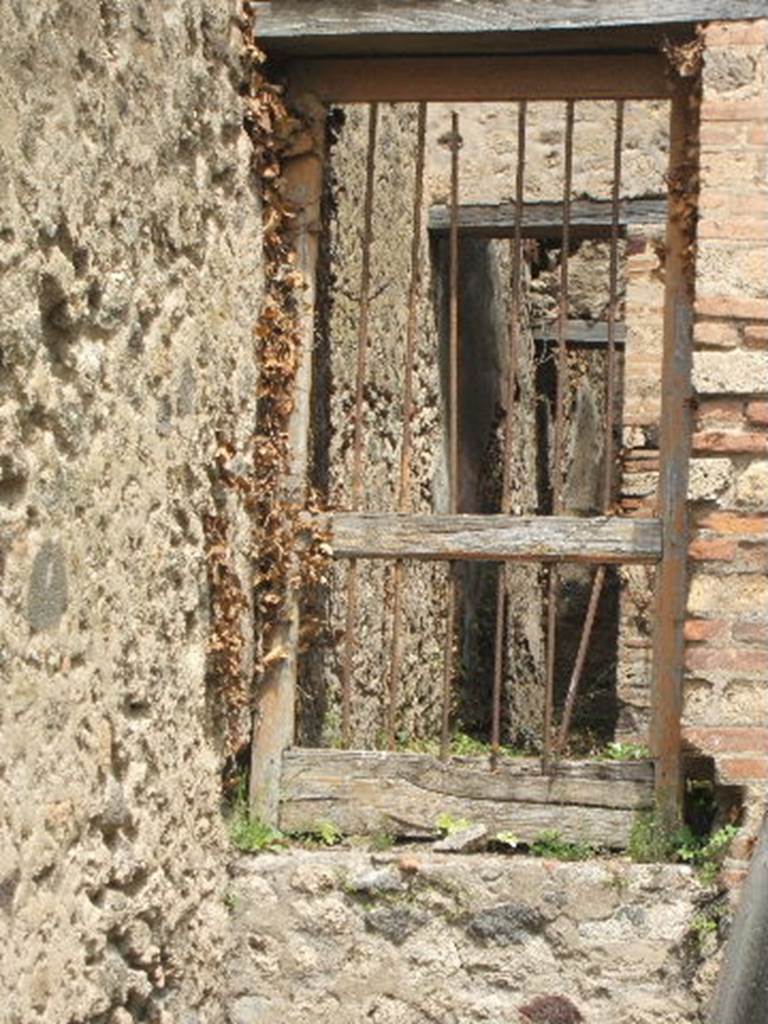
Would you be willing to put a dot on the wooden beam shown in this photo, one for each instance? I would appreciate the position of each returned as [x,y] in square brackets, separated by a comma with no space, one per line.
[602,539]
[403,794]
[274,712]
[579,333]
[590,218]
[674,454]
[489,79]
[305,26]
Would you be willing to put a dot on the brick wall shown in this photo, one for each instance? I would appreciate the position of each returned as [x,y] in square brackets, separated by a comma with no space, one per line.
[726,709]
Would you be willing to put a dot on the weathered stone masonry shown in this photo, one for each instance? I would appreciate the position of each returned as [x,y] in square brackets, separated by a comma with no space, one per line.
[726,710]
[129,245]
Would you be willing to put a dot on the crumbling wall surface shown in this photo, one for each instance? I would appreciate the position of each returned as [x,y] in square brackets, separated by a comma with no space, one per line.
[128,241]
[726,711]
[340,937]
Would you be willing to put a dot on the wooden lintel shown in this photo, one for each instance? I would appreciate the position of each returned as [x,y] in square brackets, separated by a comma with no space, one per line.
[480,79]
[381,26]
[589,218]
[403,794]
[601,539]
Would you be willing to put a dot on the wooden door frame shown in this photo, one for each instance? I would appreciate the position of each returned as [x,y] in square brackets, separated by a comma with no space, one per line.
[315,83]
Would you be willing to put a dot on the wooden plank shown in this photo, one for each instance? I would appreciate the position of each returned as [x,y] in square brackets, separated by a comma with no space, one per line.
[403,794]
[274,712]
[383,25]
[601,539]
[579,333]
[590,218]
[675,449]
[481,79]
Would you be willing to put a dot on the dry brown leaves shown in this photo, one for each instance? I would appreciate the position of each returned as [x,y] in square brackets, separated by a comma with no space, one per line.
[285,556]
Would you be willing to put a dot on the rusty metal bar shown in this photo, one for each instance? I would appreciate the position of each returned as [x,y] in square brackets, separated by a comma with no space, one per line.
[608,452]
[506,486]
[403,497]
[356,488]
[557,474]
[454,142]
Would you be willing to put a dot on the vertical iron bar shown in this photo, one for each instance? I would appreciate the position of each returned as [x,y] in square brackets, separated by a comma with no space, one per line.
[608,453]
[403,497]
[356,488]
[506,487]
[453,425]
[560,391]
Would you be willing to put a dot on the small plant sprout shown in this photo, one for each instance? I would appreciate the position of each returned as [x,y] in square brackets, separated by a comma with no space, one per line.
[551,844]
[618,751]
[448,825]
[508,839]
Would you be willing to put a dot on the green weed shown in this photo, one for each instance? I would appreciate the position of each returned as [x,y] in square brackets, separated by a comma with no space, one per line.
[650,841]
[448,824]
[624,752]
[249,834]
[551,844]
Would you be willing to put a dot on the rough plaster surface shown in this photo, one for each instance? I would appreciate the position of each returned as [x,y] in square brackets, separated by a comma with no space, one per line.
[409,938]
[129,240]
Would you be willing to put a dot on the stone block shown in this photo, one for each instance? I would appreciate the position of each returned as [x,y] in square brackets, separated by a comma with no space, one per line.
[741,372]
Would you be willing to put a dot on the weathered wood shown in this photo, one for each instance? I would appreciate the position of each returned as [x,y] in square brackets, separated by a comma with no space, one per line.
[579,333]
[382,26]
[480,79]
[274,713]
[674,452]
[602,539]
[590,218]
[403,794]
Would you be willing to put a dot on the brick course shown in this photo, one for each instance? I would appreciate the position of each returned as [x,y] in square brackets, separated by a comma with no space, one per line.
[726,700]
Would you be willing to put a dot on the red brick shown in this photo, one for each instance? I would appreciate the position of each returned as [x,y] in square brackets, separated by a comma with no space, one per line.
[730,523]
[732,739]
[726,659]
[742,847]
[756,336]
[706,549]
[757,135]
[733,306]
[697,630]
[733,110]
[757,412]
[751,632]
[753,556]
[734,33]
[730,442]
[729,411]
[738,769]
[733,878]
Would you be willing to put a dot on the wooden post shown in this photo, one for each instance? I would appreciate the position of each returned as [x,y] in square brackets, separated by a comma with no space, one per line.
[274,719]
[671,580]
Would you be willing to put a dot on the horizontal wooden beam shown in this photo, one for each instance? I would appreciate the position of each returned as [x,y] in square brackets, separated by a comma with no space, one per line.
[590,218]
[579,333]
[403,794]
[602,539]
[377,26]
[467,79]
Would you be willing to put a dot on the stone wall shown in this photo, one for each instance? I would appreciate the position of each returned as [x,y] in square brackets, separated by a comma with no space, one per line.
[726,710]
[129,242]
[338,937]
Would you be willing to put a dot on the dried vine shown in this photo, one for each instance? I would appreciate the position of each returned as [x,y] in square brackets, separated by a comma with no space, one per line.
[281,562]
